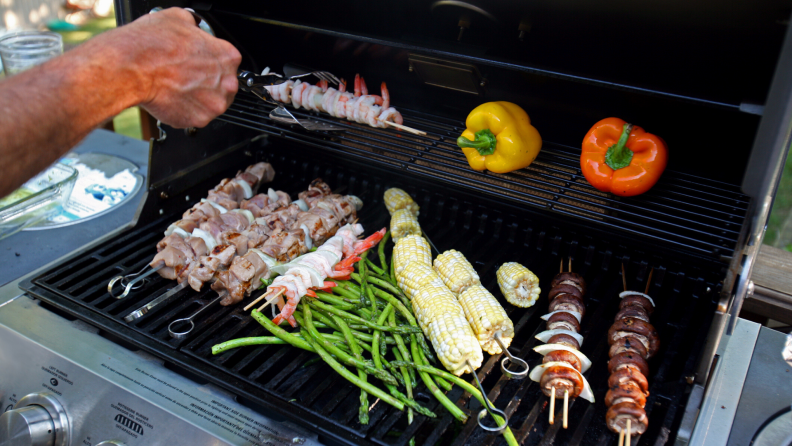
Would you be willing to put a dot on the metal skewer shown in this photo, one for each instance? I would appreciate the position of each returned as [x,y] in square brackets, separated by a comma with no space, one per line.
[146,308]
[173,327]
[490,408]
[430,243]
[130,285]
[510,358]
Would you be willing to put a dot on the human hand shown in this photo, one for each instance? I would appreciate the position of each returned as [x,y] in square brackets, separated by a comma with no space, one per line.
[187,77]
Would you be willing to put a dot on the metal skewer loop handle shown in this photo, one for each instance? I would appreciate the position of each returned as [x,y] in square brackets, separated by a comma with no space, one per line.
[522,366]
[130,285]
[176,329]
[137,314]
[490,408]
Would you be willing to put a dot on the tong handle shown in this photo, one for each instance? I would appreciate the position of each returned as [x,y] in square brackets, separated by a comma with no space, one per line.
[250,79]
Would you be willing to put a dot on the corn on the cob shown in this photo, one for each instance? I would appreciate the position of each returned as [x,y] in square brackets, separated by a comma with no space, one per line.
[486,317]
[396,199]
[518,284]
[404,223]
[412,248]
[443,320]
[457,273]
[416,276]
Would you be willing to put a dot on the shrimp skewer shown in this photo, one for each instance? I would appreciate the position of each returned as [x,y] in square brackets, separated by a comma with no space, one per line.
[370,109]
[308,272]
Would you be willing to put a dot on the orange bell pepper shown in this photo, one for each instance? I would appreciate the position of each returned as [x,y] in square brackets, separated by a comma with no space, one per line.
[621,158]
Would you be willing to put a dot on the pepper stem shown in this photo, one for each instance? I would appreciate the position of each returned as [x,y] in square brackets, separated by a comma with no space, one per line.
[619,155]
[485,142]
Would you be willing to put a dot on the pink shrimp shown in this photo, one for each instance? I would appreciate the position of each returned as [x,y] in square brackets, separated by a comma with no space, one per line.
[363,88]
[283,91]
[390,114]
[328,101]
[322,84]
[358,82]
[342,85]
[340,104]
[288,308]
[297,91]
[385,96]
[369,242]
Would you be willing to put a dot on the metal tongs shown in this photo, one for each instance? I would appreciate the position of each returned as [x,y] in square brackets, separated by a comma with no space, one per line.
[255,83]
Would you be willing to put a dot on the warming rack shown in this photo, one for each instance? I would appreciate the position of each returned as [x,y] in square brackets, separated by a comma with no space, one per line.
[682,212]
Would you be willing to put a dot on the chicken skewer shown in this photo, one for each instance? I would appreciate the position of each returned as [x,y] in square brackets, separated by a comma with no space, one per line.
[633,340]
[227,191]
[263,221]
[180,328]
[255,263]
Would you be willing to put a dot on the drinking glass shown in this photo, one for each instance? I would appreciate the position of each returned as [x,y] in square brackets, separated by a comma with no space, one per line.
[25,49]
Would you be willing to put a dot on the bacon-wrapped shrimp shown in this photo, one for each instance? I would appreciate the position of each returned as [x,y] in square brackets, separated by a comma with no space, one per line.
[336,256]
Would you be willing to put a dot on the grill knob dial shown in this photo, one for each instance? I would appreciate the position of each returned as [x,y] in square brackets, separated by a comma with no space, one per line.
[37,419]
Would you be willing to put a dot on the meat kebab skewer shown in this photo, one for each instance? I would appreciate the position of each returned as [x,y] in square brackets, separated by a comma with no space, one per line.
[253,263]
[229,191]
[263,222]
[563,364]
[249,268]
[633,341]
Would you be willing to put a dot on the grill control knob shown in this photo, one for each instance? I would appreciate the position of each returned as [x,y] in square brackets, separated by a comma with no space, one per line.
[37,419]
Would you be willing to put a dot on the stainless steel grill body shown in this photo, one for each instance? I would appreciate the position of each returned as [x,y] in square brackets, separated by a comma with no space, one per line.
[695,228]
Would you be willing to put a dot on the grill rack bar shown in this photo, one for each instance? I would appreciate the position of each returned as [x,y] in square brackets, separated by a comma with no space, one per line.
[687,212]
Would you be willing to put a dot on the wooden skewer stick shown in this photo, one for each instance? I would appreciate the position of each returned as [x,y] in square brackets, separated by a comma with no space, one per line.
[649,281]
[250,305]
[624,278]
[570,264]
[271,299]
[403,127]
[629,432]
[566,407]
[552,405]
[621,437]
[561,269]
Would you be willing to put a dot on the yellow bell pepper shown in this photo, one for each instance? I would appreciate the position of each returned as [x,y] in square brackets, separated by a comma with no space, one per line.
[499,137]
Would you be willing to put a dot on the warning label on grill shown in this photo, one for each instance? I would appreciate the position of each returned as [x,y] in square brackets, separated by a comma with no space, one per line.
[130,421]
[249,427]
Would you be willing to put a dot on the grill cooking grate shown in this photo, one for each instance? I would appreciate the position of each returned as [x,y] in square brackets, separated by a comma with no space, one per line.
[277,377]
[682,211]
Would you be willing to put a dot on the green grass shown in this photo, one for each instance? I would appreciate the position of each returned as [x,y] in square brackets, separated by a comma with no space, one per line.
[777,233]
[86,31]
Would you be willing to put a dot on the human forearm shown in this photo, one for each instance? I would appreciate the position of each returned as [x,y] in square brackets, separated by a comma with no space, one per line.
[47,110]
[161,62]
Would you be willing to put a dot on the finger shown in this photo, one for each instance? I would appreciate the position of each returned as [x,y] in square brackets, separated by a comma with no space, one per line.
[181,14]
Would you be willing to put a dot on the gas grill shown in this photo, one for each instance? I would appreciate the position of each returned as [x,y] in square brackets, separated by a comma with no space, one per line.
[697,228]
